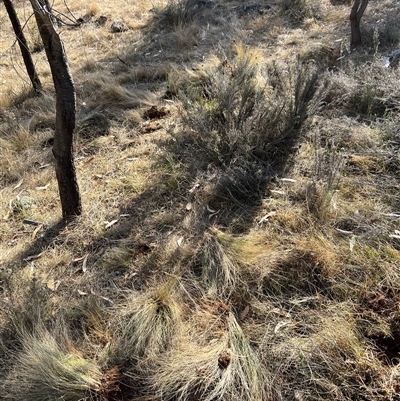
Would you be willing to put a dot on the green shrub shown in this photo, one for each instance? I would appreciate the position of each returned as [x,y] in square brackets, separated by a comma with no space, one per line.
[238,110]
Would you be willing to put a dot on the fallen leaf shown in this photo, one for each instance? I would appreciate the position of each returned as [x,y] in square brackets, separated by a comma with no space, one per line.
[33,257]
[44,165]
[36,230]
[53,284]
[107,299]
[189,206]
[213,214]
[43,188]
[299,395]
[210,210]
[111,223]
[344,232]
[280,325]
[352,242]
[50,284]
[84,264]
[19,184]
[245,312]
[79,259]
[194,188]
[267,216]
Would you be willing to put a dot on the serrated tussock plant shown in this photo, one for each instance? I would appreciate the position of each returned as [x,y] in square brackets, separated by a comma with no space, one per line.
[148,323]
[226,368]
[44,369]
[224,257]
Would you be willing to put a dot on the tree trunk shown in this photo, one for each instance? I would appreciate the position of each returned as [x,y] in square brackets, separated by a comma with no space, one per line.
[23,45]
[65,110]
[356,14]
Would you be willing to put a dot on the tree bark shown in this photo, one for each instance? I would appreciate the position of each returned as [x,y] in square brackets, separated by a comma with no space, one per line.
[357,11]
[23,45]
[65,110]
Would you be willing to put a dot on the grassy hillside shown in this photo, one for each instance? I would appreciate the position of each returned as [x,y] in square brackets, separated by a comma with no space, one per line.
[239,172]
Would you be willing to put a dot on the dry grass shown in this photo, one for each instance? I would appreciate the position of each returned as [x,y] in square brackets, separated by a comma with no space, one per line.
[227,368]
[239,169]
[148,324]
[44,368]
[227,259]
[299,11]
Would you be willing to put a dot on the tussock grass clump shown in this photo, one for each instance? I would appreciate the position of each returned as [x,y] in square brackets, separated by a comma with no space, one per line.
[19,139]
[149,323]
[297,11]
[328,167]
[236,111]
[120,97]
[94,321]
[181,12]
[309,269]
[252,381]
[104,93]
[227,368]
[244,250]
[329,359]
[35,43]
[118,257]
[368,89]
[219,272]
[47,369]
[19,150]
[41,121]
[382,33]
[189,371]
[90,125]
[224,258]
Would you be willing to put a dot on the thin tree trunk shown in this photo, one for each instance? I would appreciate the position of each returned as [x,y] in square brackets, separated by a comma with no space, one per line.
[65,110]
[23,45]
[357,11]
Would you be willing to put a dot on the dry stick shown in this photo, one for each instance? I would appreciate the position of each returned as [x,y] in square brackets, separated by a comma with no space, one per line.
[23,45]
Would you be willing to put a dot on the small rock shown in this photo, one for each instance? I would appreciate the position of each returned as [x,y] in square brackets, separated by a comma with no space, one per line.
[118,26]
